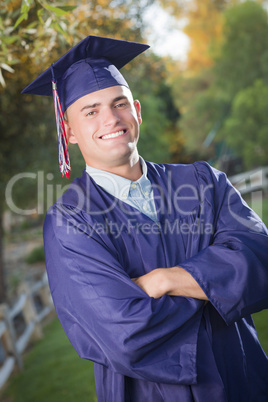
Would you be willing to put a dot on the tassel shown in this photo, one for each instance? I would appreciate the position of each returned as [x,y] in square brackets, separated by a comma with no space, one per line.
[64,160]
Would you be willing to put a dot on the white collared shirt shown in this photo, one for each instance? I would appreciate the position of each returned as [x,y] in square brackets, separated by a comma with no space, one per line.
[138,194]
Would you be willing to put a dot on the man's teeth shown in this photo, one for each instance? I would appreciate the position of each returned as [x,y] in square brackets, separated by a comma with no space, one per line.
[114,135]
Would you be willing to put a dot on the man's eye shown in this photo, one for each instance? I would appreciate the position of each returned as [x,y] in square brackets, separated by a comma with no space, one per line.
[120,105]
[92,113]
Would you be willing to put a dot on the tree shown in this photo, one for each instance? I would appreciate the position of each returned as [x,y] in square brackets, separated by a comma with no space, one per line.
[239,71]
[160,137]
[30,27]
[245,129]
[190,80]
[205,32]
[18,29]
[206,97]
[244,52]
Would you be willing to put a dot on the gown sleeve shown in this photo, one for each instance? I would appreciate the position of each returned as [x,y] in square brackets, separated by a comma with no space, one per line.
[106,316]
[233,270]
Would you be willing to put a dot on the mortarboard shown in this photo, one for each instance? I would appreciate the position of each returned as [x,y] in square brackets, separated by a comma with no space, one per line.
[91,65]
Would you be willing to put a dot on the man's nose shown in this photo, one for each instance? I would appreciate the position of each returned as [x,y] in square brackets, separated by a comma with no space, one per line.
[111,117]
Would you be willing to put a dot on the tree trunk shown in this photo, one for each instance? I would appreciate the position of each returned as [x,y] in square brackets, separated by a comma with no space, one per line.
[2,267]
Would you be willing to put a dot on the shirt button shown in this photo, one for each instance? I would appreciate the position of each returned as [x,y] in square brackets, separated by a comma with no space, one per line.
[133,185]
[124,196]
[144,208]
[146,194]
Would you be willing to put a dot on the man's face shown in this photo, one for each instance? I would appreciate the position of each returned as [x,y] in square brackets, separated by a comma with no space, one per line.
[105,125]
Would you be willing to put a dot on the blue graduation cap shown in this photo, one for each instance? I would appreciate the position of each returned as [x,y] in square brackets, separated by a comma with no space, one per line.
[91,65]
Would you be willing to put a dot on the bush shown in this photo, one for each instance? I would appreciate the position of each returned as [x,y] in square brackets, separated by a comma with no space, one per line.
[36,255]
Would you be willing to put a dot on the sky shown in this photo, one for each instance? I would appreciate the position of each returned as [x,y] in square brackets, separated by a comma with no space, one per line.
[164,33]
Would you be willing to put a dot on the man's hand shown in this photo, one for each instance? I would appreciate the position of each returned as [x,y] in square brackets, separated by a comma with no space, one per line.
[174,281]
[154,283]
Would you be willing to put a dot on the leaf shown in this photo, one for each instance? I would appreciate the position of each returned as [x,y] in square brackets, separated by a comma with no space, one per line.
[7,67]
[59,12]
[24,16]
[10,39]
[32,25]
[25,7]
[2,81]
[58,28]
[40,14]
[67,9]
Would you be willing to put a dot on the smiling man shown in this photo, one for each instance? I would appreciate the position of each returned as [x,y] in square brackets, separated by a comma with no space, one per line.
[154,269]
[105,125]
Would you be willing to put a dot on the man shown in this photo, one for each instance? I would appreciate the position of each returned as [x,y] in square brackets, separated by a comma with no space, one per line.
[154,269]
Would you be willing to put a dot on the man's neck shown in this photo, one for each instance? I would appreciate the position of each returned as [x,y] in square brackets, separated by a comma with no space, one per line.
[131,170]
[132,173]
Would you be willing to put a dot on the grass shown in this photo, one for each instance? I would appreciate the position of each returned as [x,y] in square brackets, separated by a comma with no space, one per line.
[261,323]
[52,372]
[261,319]
[260,206]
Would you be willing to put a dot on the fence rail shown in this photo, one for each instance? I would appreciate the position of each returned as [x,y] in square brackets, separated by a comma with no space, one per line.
[253,180]
[21,323]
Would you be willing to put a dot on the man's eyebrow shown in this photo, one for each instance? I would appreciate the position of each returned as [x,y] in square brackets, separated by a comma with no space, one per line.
[90,106]
[122,97]
[118,98]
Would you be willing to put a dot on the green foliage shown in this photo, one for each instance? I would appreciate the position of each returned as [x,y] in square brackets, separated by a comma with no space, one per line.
[225,106]
[261,323]
[147,77]
[241,73]
[246,127]
[154,142]
[36,255]
[244,52]
[198,110]
[23,23]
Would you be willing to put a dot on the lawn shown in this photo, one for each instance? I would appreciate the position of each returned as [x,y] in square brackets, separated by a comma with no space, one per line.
[53,372]
[261,323]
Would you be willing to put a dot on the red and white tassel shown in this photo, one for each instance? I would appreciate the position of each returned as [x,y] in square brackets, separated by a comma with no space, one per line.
[64,160]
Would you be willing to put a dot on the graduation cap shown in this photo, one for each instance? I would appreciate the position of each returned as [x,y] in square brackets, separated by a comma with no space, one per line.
[91,65]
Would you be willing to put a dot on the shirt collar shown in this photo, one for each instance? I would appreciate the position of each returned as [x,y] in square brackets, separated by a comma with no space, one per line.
[116,185]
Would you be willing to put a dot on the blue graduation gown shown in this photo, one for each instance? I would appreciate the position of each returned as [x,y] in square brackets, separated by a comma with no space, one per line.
[171,348]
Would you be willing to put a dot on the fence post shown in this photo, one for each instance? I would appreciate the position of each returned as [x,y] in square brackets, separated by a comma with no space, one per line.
[29,311]
[13,340]
[4,314]
[45,292]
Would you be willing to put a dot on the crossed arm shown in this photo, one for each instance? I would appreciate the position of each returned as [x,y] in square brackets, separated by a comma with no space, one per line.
[174,281]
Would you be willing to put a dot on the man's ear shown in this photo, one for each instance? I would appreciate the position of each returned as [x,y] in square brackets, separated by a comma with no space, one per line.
[137,106]
[69,133]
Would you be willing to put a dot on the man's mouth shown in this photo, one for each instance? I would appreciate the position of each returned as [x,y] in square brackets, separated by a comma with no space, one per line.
[113,135]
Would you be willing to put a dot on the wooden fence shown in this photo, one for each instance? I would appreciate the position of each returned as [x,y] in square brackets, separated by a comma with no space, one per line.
[21,324]
[251,181]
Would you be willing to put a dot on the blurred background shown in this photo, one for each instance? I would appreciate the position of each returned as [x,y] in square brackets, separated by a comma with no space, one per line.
[203,87]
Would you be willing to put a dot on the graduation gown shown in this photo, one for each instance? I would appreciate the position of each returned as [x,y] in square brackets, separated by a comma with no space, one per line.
[171,348]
